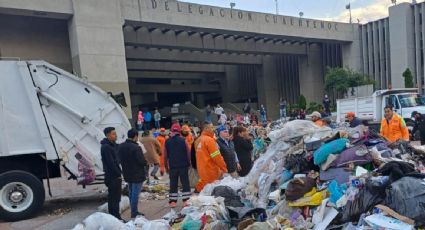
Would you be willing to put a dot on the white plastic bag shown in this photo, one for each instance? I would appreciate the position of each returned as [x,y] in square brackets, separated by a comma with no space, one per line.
[124,205]
[142,223]
[99,220]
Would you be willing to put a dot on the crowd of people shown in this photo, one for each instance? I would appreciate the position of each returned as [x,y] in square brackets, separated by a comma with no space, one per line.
[230,147]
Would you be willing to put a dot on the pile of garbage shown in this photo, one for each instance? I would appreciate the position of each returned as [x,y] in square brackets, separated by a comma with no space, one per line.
[313,178]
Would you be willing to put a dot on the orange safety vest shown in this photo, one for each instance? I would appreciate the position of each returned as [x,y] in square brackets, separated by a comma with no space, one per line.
[161,141]
[319,123]
[189,141]
[209,161]
[395,129]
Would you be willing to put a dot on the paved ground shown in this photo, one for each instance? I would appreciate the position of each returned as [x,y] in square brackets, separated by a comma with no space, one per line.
[71,204]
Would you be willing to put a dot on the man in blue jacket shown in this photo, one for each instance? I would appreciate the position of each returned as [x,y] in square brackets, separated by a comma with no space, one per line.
[148,120]
[112,171]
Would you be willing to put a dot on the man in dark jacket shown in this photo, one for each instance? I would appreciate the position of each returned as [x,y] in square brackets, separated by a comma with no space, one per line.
[133,167]
[227,150]
[112,170]
[177,162]
[419,126]
[353,120]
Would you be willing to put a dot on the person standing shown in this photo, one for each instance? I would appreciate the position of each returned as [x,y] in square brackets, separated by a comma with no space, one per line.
[187,135]
[218,111]
[148,120]
[177,162]
[247,108]
[282,108]
[327,105]
[227,149]
[263,113]
[208,114]
[223,119]
[393,127]
[140,120]
[210,162]
[162,138]
[419,126]
[133,167]
[157,118]
[243,148]
[153,150]
[111,167]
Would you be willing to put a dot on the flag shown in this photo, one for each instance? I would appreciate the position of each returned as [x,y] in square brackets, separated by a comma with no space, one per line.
[348,6]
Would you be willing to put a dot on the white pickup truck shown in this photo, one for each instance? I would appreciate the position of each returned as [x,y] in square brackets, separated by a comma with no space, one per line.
[371,108]
[49,118]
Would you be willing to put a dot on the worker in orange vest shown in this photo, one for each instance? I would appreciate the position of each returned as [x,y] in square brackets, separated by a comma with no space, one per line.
[393,126]
[161,139]
[316,117]
[210,162]
[186,133]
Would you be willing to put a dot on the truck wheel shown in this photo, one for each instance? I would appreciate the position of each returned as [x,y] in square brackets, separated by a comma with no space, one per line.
[21,195]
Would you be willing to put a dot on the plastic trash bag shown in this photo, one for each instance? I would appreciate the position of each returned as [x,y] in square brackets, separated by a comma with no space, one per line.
[231,198]
[364,201]
[406,196]
[298,187]
[333,147]
[296,128]
[312,198]
[191,224]
[124,205]
[143,224]
[99,220]
[234,183]
[275,196]
[216,225]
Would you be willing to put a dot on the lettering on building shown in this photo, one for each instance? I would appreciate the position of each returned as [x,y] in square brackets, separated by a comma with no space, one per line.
[208,11]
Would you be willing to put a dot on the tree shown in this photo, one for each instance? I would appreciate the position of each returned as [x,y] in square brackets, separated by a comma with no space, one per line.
[302,102]
[408,79]
[339,79]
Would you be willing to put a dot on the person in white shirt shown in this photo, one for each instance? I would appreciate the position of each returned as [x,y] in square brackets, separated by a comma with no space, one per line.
[218,111]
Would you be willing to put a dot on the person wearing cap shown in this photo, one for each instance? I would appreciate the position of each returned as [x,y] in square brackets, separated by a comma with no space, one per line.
[316,117]
[419,126]
[353,120]
[327,105]
[161,139]
[227,150]
[153,150]
[187,135]
[393,126]
[210,162]
[177,162]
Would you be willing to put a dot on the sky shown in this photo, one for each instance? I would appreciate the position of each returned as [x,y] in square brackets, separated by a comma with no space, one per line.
[332,10]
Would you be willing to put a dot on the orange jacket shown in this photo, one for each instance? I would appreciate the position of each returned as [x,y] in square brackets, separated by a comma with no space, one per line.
[319,123]
[209,161]
[395,129]
[161,140]
[189,140]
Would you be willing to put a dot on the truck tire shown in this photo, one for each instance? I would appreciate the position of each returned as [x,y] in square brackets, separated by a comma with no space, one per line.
[21,195]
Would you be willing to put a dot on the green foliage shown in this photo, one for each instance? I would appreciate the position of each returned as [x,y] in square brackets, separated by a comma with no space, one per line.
[408,78]
[313,106]
[340,79]
[302,102]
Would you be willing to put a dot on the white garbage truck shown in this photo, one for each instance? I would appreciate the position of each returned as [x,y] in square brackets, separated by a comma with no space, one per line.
[49,118]
[371,108]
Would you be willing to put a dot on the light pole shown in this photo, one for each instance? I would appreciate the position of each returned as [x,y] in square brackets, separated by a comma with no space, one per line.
[301,14]
[277,7]
[232,5]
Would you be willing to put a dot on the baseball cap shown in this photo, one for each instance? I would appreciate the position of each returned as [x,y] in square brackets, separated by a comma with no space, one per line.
[350,114]
[316,114]
[221,128]
[176,128]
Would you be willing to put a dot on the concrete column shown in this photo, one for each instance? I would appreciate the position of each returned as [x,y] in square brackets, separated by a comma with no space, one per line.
[364,50]
[311,79]
[370,48]
[402,42]
[231,84]
[97,45]
[417,45]
[268,90]
[351,53]
[387,53]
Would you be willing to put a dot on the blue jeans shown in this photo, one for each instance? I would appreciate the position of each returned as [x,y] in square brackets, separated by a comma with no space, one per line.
[133,194]
[208,119]
[263,118]
[157,125]
[282,113]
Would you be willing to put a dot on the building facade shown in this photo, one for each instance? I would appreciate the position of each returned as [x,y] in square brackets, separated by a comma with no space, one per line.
[160,52]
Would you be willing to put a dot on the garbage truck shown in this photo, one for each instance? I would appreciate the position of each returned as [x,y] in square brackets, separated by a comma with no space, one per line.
[371,108]
[49,119]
